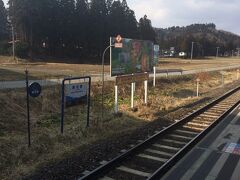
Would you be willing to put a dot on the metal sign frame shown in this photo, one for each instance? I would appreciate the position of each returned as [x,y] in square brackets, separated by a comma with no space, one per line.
[63,98]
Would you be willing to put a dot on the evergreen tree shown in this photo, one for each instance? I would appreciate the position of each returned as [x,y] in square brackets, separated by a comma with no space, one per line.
[130,22]
[3,22]
[97,26]
[146,30]
[122,20]
[117,20]
[81,21]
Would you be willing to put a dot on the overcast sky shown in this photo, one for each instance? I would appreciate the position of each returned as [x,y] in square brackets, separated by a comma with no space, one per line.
[166,13]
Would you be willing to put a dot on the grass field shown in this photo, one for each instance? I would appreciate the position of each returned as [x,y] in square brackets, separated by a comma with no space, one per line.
[17,160]
[48,145]
[11,70]
[173,63]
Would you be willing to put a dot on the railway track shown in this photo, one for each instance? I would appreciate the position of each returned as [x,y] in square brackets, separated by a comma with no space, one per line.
[152,158]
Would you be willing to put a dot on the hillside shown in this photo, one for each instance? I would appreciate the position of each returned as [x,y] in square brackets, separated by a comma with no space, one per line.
[206,37]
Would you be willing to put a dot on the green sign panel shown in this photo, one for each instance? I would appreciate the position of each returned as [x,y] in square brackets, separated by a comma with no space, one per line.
[135,56]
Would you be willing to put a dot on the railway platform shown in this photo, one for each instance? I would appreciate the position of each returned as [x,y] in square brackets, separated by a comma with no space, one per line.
[216,157]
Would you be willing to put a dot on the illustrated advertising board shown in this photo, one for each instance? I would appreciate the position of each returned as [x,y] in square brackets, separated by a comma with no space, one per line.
[135,56]
[76,94]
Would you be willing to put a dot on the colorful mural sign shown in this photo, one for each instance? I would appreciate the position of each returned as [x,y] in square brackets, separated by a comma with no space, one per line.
[135,56]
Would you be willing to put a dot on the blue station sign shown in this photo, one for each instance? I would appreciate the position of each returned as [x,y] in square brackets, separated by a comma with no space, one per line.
[34,89]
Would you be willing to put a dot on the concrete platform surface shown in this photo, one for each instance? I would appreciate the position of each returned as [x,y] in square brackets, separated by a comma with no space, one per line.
[217,156]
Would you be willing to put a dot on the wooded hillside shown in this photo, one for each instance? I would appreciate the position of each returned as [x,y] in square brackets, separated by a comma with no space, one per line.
[80,29]
[206,39]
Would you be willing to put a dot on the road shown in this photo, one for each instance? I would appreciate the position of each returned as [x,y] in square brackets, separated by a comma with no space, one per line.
[50,82]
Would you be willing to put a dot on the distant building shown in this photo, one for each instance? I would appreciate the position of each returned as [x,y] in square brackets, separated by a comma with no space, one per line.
[182,54]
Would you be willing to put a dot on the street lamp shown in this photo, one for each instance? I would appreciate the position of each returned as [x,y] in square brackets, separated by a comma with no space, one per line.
[192,51]
[217,52]
[103,55]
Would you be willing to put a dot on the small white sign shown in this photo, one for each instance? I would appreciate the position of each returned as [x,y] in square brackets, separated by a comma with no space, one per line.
[156,47]
[118,45]
[76,93]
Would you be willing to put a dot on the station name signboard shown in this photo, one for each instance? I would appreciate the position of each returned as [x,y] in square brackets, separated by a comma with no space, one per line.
[76,94]
[135,56]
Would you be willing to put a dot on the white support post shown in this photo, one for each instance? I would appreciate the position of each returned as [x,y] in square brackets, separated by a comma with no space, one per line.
[198,80]
[146,91]
[222,79]
[116,99]
[238,74]
[132,95]
[134,87]
[154,76]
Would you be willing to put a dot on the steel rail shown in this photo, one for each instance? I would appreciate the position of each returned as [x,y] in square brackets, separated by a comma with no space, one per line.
[112,164]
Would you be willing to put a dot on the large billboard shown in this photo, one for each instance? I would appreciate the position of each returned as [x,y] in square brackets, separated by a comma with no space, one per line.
[135,56]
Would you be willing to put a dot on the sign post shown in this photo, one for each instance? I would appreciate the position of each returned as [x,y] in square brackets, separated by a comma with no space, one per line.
[74,94]
[28,111]
[222,73]
[155,61]
[154,76]
[34,90]
[132,95]
[238,74]
[146,91]
[198,80]
[116,99]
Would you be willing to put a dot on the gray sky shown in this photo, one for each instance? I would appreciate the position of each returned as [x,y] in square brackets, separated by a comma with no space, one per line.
[166,13]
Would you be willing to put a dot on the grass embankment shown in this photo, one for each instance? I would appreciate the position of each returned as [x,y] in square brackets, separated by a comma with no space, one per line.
[48,145]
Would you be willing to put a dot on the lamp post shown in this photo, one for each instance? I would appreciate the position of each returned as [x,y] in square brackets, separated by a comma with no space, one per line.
[192,51]
[217,52]
[103,73]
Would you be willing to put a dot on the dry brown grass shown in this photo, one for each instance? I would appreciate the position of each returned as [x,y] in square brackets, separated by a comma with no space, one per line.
[49,145]
[187,64]
[10,70]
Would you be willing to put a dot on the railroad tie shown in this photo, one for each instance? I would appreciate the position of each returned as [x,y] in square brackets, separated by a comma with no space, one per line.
[179,136]
[133,171]
[106,178]
[187,132]
[163,160]
[173,141]
[166,147]
[159,152]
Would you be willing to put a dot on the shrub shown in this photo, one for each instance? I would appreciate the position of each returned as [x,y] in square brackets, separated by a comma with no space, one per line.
[203,76]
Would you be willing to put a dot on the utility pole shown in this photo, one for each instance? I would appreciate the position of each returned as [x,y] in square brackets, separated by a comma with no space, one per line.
[13,32]
[217,52]
[13,42]
[232,53]
[192,51]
